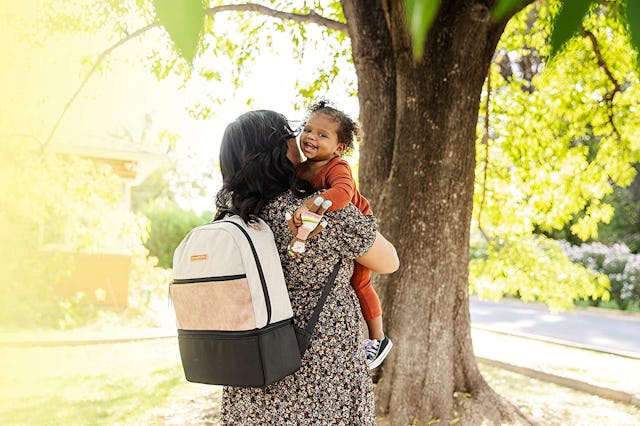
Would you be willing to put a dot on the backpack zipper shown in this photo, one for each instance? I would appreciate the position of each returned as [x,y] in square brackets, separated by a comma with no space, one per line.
[209,279]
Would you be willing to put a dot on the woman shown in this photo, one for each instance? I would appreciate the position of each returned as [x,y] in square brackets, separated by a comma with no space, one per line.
[333,386]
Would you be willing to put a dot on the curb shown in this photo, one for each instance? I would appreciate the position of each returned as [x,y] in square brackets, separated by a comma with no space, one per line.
[593,348]
[603,392]
[78,342]
[591,310]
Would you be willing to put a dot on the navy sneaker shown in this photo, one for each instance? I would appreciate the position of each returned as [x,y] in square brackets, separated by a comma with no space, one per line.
[377,351]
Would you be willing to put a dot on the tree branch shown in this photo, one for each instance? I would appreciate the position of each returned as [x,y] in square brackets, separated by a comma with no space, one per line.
[605,67]
[485,142]
[93,69]
[311,17]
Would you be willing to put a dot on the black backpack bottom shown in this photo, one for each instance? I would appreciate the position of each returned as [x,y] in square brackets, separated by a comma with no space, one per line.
[254,358]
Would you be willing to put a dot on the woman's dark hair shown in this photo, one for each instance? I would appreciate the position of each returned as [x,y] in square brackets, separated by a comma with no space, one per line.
[348,129]
[254,164]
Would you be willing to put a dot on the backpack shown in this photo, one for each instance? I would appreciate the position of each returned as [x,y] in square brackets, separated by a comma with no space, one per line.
[232,307]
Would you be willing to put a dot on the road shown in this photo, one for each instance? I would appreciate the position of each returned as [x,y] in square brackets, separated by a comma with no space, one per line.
[589,328]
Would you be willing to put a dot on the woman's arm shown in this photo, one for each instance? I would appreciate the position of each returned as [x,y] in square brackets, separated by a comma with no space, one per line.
[381,257]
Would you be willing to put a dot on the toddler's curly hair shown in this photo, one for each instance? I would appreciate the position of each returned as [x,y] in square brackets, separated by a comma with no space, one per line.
[348,131]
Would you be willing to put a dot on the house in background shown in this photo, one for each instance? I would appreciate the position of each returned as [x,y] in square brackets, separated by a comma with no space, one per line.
[103,278]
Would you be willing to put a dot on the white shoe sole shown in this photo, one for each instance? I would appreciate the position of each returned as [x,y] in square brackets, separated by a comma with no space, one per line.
[382,356]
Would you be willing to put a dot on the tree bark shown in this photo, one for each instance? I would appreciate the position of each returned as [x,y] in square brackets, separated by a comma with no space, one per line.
[418,161]
[376,69]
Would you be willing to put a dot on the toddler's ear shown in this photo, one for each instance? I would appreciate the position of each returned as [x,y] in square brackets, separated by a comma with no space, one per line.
[341,148]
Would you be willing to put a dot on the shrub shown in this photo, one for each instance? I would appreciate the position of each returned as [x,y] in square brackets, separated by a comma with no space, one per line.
[533,269]
[169,224]
[617,262]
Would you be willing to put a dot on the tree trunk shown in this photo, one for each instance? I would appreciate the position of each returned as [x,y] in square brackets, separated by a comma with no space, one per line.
[418,162]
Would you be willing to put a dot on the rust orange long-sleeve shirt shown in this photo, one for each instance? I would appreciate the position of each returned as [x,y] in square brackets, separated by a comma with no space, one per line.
[340,186]
[341,189]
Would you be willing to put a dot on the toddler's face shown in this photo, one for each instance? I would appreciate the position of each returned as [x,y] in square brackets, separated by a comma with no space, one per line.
[319,138]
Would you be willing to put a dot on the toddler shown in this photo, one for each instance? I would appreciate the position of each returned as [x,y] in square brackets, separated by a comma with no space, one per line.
[327,134]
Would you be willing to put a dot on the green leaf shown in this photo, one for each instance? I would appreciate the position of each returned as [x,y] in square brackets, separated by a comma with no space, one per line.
[633,18]
[568,22]
[183,20]
[503,7]
[420,16]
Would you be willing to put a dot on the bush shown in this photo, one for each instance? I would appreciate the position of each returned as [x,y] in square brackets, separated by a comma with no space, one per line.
[533,269]
[169,224]
[618,263]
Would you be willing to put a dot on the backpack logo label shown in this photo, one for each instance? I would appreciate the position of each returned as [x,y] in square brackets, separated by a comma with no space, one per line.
[197,257]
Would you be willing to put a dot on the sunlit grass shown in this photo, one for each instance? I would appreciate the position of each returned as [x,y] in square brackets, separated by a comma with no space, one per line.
[92,400]
[84,385]
[550,404]
[601,369]
[142,383]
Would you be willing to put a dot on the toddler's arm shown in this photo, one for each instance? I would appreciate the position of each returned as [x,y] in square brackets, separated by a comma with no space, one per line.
[340,189]
[341,186]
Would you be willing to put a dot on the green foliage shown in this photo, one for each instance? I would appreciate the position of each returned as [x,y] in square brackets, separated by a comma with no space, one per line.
[169,225]
[625,224]
[503,8]
[183,21]
[533,268]
[616,262]
[232,42]
[560,138]
[623,227]
[632,13]
[553,150]
[568,22]
[420,15]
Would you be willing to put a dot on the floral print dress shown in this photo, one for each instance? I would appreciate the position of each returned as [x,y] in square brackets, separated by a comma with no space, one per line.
[333,386]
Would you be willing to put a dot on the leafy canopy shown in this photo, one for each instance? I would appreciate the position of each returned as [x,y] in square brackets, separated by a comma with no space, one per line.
[559,133]
[560,136]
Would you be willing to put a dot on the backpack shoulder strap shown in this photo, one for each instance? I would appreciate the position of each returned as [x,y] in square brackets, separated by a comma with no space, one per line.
[308,330]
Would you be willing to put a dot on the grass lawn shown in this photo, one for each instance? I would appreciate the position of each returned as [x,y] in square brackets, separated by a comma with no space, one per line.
[548,404]
[88,385]
[141,383]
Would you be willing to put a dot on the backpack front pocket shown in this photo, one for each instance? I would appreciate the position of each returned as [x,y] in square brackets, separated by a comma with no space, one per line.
[211,304]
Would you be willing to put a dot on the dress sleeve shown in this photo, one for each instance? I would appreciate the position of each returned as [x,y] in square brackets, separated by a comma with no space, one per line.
[352,232]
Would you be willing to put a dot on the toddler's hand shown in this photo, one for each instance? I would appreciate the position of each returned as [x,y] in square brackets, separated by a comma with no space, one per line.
[314,205]
[297,215]
[311,223]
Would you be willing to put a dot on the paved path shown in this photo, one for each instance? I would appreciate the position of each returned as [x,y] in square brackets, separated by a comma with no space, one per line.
[600,330]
